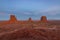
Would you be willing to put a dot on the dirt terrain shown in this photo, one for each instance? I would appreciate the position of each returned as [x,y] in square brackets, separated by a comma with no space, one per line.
[30,29]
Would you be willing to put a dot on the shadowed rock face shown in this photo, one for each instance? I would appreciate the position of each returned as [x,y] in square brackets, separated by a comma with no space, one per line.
[43,19]
[12,18]
[30,20]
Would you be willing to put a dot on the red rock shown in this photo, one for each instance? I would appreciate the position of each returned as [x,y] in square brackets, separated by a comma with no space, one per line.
[12,18]
[43,19]
[30,20]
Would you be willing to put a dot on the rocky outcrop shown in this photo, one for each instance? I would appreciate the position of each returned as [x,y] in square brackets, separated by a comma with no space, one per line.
[43,19]
[12,18]
[30,20]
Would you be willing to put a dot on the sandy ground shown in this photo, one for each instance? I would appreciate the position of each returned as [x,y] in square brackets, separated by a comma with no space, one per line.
[29,31]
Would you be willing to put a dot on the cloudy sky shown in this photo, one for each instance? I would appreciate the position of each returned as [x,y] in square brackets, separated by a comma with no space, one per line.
[23,9]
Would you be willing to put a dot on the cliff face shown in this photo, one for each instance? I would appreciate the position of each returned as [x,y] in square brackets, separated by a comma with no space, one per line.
[12,18]
[30,20]
[43,19]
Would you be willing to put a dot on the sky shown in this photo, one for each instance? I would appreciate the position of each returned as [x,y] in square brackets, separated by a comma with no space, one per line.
[23,9]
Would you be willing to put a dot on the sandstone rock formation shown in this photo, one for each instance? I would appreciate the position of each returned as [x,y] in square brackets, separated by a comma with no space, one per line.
[43,19]
[30,20]
[12,18]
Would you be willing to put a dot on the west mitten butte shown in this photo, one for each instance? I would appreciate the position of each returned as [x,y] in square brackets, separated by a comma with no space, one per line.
[12,18]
